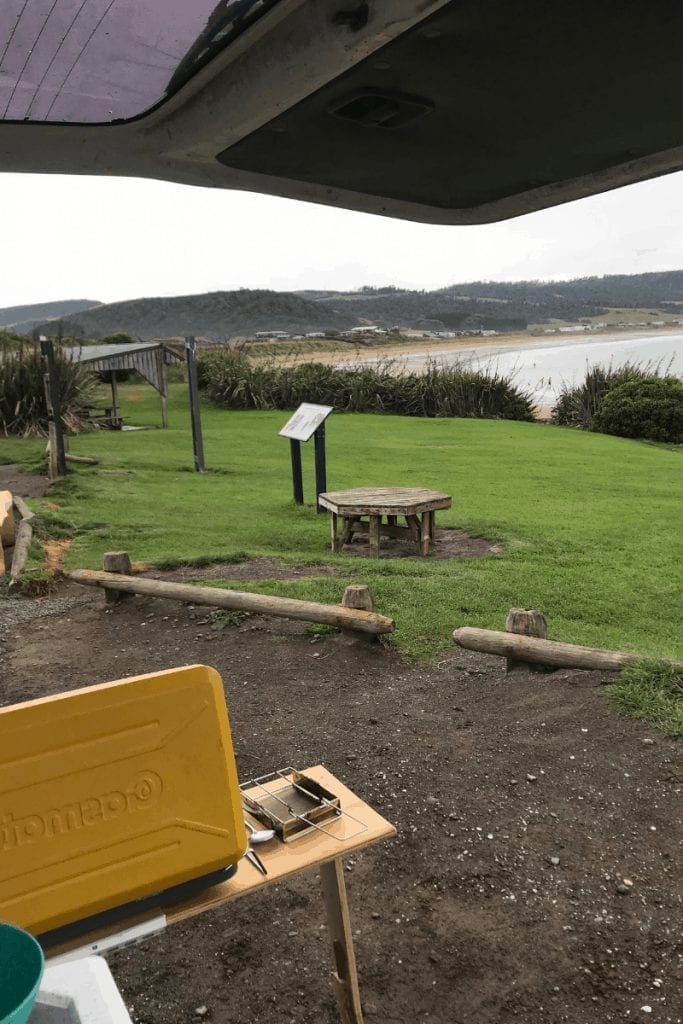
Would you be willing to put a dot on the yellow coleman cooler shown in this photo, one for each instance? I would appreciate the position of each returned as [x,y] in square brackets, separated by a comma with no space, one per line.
[113,793]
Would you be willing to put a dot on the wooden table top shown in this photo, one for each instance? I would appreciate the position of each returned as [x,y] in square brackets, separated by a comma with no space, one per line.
[384,501]
[359,826]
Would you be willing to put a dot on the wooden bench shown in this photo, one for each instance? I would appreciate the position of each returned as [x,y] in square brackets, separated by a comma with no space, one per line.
[416,505]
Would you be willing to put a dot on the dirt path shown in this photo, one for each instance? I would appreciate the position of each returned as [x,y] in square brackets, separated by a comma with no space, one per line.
[521,804]
[26,485]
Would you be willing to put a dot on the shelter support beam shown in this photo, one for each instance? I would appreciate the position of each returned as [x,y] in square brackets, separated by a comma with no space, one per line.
[163,386]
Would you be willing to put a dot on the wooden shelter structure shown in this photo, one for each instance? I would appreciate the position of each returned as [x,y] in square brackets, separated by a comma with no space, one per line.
[149,358]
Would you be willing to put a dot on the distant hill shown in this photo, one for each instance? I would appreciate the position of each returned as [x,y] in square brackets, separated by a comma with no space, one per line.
[504,306]
[23,319]
[477,305]
[214,315]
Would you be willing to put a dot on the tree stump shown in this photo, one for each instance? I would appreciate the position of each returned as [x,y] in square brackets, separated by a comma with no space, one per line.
[528,622]
[119,562]
[359,596]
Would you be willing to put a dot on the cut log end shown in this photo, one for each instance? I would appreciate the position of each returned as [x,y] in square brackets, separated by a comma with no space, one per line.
[358,596]
[117,561]
[526,622]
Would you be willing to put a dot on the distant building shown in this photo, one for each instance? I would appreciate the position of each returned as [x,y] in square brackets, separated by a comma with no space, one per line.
[275,335]
[367,329]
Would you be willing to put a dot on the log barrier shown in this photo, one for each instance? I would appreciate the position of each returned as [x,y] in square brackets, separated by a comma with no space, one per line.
[237,600]
[545,652]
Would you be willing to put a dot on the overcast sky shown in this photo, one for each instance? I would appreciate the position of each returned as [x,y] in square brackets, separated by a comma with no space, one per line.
[110,238]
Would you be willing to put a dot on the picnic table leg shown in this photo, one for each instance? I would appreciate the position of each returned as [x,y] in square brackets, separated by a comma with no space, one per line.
[414,527]
[426,533]
[373,535]
[333,531]
[345,978]
[347,532]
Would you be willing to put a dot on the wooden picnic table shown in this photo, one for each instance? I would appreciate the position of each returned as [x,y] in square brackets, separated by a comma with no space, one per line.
[417,505]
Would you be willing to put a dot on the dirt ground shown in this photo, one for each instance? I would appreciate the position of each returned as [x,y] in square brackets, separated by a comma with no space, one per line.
[521,804]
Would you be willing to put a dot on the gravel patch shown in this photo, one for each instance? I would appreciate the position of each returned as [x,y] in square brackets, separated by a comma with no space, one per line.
[16,610]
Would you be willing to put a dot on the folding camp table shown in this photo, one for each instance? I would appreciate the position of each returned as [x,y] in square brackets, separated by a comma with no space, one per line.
[121,813]
[357,828]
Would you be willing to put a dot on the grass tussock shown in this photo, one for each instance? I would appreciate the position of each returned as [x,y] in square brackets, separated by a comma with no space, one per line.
[653,692]
[230,381]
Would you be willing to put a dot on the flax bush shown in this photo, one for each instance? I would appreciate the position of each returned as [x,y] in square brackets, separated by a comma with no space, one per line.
[579,405]
[23,409]
[229,380]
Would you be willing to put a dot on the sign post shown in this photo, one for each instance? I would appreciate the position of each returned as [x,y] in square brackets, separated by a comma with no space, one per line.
[308,421]
[195,412]
[54,410]
[297,477]
[320,464]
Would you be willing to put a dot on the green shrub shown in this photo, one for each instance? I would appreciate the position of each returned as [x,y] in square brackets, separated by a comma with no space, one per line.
[652,691]
[649,407]
[229,380]
[578,404]
[23,408]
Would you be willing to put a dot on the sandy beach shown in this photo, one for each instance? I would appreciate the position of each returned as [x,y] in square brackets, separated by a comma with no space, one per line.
[438,347]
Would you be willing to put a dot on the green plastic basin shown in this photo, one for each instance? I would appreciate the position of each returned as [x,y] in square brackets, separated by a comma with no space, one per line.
[21,968]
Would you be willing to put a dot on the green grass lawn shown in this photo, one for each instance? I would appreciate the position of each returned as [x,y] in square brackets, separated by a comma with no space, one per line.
[591,525]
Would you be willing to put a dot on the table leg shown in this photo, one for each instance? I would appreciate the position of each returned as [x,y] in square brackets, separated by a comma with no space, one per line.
[426,533]
[345,978]
[373,535]
[414,527]
[347,532]
[333,531]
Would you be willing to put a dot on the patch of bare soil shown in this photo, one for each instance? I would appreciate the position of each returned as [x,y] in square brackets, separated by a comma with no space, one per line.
[448,543]
[55,552]
[521,803]
[26,485]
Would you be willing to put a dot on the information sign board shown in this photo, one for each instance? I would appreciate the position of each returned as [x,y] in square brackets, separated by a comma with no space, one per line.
[302,425]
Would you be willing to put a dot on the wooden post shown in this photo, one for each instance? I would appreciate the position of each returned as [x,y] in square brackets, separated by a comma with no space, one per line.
[195,412]
[118,562]
[345,978]
[54,409]
[114,397]
[297,475]
[163,386]
[527,622]
[320,464]
[359,596]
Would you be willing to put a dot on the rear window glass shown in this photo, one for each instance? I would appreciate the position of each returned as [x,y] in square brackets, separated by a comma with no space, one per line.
[99,61]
